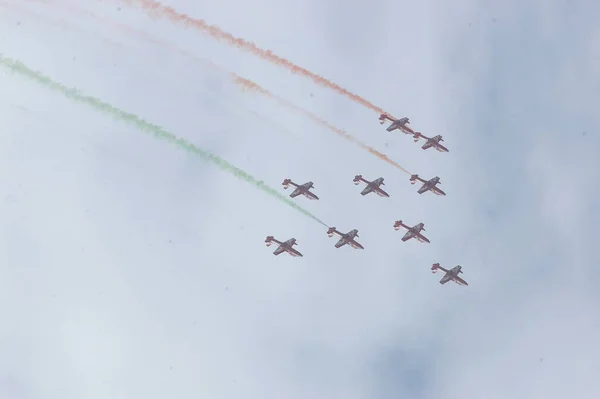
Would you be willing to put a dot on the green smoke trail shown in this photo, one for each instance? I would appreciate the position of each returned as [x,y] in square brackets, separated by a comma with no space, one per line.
[159,132]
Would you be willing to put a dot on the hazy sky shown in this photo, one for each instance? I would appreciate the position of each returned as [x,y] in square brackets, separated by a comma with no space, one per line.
[130,268]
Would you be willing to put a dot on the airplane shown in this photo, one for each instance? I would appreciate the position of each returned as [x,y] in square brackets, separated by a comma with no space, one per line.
[303,189]
[413,232]
[286,246]
[348,238]
[428,185]
[372,186]
[396,124]
[451,274]
[431,142]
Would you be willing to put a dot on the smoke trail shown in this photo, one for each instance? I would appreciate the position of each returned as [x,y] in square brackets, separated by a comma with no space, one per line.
[157,9]
[106,22]
[159,132]
[243,82]
[250,85]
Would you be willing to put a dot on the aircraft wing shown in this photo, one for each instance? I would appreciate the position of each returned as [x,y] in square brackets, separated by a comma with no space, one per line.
[438,191]
[341,242]
[391,127]
[367,190]
[441,148]
[427,145]
[297,192]
[446,278]
[279,250]
[455,270]
[352,234]
[290,242]
[408,236]
[424,187]
[381,192]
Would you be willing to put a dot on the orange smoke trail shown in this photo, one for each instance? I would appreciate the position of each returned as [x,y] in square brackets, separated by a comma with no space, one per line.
[76,11]
[242,82]
[248,84]
[157,9]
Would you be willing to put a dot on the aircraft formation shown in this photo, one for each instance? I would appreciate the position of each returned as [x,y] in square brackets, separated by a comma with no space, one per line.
[374,186]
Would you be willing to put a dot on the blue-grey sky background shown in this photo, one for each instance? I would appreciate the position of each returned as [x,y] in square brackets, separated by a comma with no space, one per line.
[130,268]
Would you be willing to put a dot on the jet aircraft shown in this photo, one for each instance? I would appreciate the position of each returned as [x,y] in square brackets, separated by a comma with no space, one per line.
[372,186]
[451,274]
[348,238]
[396,124]
[286,246]
[303,189]
[413,232]
[428,185]
[431,142]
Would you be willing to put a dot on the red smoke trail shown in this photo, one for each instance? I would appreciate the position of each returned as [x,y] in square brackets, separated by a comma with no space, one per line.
[248,84]
[243,82]
[157,9]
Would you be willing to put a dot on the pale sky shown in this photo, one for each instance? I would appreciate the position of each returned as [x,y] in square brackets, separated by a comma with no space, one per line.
[131,268]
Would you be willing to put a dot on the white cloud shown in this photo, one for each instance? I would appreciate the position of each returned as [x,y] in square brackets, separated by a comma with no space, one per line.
[130,268]
[529,334]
